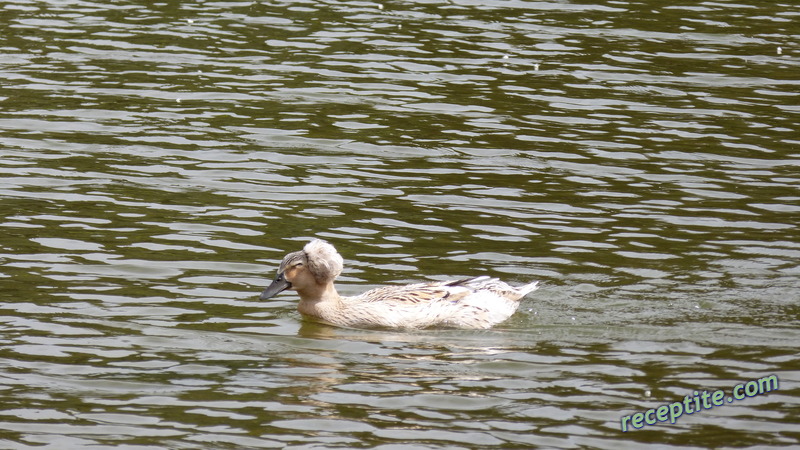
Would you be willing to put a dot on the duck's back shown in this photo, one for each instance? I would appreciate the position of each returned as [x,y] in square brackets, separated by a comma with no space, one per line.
[471,303]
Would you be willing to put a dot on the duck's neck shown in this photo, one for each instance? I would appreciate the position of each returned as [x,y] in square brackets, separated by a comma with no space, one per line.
[320,301]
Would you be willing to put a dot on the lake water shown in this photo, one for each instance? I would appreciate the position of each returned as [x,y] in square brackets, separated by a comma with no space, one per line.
[158,159]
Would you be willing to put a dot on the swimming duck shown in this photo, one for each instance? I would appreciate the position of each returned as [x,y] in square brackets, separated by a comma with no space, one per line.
[478,302]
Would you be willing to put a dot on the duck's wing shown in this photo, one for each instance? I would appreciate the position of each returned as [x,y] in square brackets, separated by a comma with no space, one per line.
[415,294]
[495,286]
[450,291]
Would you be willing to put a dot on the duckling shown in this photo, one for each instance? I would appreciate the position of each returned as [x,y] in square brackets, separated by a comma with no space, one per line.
[476,303]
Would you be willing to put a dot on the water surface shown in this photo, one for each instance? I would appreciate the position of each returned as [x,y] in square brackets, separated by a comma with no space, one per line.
[159,159]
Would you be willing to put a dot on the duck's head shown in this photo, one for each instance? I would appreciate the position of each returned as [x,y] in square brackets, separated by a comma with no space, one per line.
[317,264]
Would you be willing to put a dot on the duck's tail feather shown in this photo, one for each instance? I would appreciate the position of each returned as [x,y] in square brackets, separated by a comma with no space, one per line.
[528,288]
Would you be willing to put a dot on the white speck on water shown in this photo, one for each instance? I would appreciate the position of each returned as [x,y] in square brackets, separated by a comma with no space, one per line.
[535,66]
[780,51]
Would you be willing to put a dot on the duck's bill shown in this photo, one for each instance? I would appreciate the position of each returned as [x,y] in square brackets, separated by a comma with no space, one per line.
[277,286]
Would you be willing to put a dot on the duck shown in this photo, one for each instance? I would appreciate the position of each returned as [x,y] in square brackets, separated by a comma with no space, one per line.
[471,303]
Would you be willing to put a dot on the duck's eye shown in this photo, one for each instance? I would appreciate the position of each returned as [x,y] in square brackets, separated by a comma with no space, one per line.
[298,264]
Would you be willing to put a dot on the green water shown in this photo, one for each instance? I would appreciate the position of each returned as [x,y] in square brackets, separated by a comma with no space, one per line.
[157,160]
